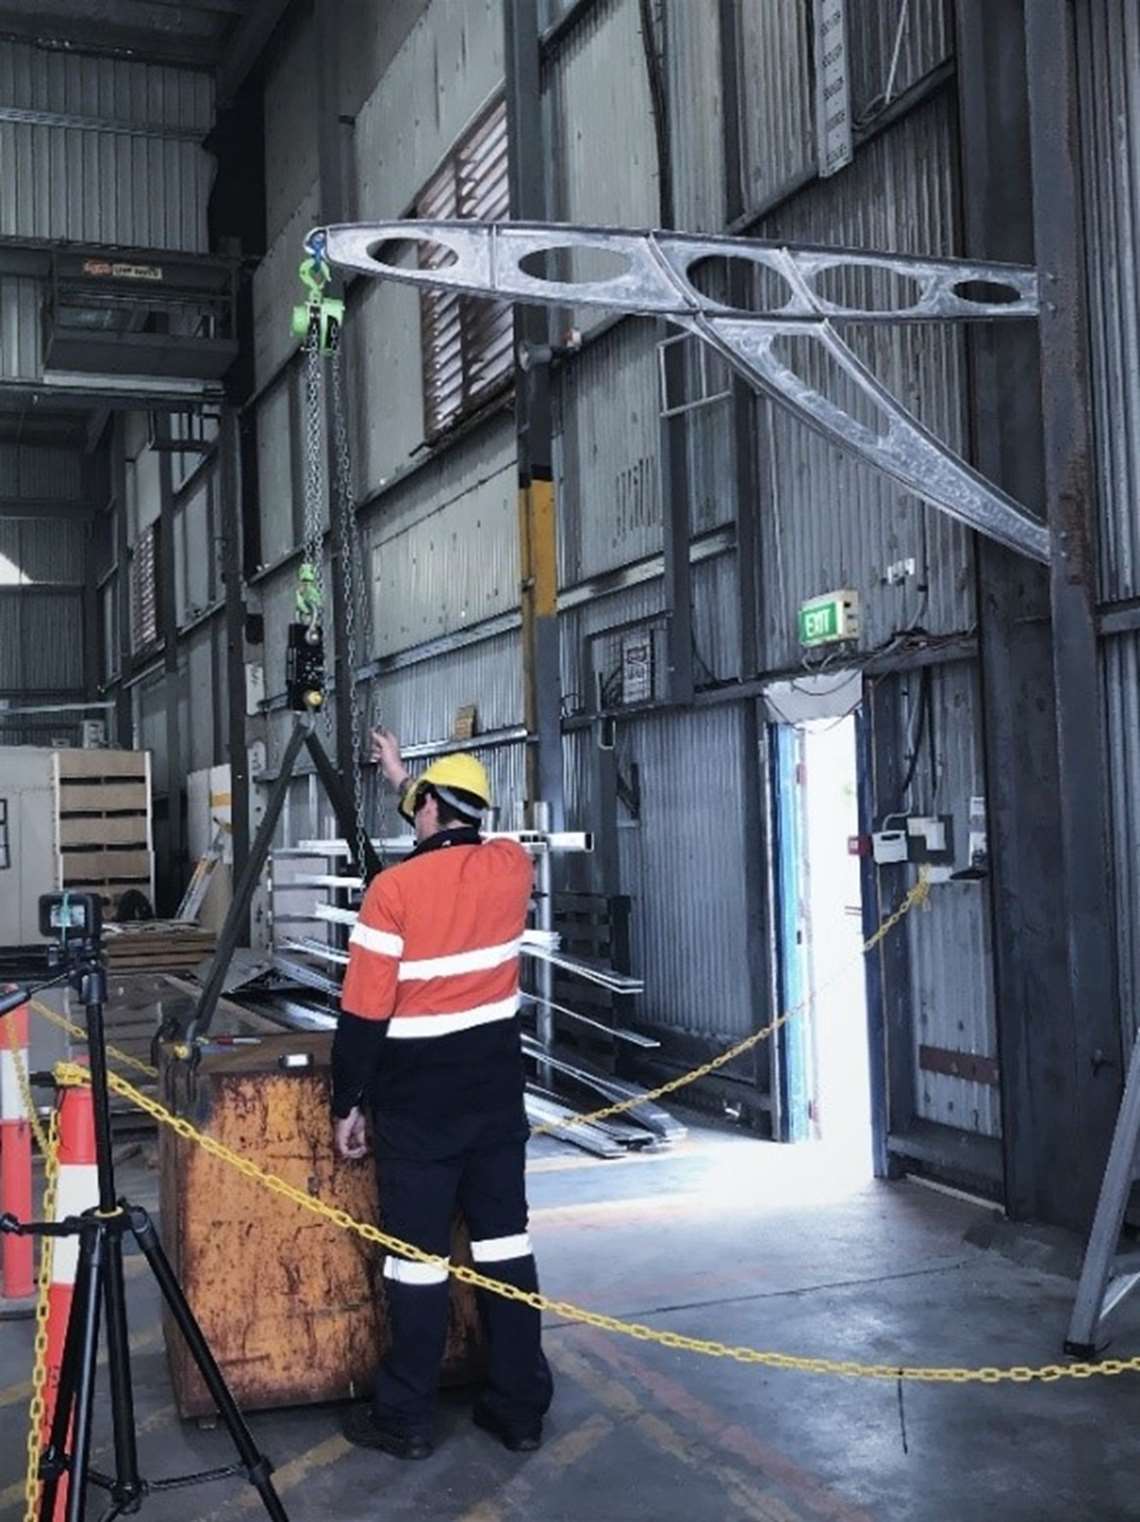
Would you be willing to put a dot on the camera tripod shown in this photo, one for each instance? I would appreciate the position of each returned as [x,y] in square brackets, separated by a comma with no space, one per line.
[100,1286]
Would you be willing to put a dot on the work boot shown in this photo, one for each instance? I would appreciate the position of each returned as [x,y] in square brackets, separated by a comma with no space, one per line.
[526,1440]
[361,1428]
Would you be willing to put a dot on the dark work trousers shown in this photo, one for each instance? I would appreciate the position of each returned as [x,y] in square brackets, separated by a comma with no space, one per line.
[417,1203]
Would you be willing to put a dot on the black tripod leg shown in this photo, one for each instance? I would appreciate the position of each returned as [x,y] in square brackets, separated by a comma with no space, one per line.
[64,1408]
[92,1251]
[257,1466]
[244,888]
[127,1476]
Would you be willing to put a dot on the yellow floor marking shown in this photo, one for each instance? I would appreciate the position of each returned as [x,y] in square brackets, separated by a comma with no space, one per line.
[482,1512]
[557,1456]
[577,1443]
[285,1478]
[141,1342]
[623,1403]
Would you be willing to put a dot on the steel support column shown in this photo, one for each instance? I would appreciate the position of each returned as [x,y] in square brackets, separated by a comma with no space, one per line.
[744,401]
[123,724]
[230,508]
[1095,1068]
[1025,718]
[168,616]
[538,521]
[673,431]
[91,629]
[744,443]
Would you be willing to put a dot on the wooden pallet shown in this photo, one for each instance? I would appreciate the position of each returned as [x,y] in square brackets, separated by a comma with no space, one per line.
[156,945]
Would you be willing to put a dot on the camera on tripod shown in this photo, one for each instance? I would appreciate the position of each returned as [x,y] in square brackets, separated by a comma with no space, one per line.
[73,922]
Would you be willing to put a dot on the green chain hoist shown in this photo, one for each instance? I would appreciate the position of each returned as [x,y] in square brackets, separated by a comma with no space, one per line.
[319,314]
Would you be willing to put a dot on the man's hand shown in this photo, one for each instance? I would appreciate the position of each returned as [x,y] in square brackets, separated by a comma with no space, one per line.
[386,753]
[350,1136]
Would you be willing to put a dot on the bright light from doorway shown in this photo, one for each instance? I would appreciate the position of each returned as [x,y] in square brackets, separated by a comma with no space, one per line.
[841,1080]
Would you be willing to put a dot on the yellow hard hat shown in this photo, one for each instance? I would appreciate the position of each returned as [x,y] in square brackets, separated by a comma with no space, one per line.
[447,774]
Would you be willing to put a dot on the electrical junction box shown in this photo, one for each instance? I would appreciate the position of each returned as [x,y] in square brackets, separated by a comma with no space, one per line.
[923,839]
[890,846]
[830,619]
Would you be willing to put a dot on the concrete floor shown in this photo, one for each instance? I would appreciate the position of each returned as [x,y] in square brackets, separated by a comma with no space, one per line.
[734,1239]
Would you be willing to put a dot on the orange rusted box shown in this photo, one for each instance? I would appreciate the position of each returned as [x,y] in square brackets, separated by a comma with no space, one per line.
[292,1306]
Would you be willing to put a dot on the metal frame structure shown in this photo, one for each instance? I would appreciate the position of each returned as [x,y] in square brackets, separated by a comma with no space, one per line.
[489,259]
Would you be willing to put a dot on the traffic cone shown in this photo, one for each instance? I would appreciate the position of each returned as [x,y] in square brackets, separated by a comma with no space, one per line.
[17,1282]
[76,1191]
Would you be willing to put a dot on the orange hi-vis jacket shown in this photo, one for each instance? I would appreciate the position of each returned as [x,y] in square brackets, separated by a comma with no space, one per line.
[435,950]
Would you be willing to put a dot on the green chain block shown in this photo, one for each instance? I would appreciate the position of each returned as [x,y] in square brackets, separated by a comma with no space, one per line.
[326,312]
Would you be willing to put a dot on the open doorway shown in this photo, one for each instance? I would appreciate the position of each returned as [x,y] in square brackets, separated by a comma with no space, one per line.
[823,1064]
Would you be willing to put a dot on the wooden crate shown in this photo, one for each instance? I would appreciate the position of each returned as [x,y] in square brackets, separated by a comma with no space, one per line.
[103,826]
[293,1307]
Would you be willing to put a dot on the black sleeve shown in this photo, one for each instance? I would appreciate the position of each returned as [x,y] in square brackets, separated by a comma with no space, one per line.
[355,1054]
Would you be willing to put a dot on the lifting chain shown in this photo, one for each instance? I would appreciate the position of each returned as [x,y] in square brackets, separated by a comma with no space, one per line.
[311,576]
[354,602]
[37,1407]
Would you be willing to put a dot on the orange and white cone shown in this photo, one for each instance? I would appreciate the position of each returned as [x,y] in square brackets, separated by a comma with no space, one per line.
[17,1282]
[77,1190]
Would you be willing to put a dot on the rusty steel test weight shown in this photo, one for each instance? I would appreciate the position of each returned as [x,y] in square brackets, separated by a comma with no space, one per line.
[72,922]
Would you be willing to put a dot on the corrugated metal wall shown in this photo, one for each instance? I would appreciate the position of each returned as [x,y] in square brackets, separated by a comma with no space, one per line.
[443,554]
[776,88]
[21,328]
[1108,40]
[696,115]
[832,522]
[950,943]
[605,454]
[440,543]
[103,150]
[683,867]
[42,572]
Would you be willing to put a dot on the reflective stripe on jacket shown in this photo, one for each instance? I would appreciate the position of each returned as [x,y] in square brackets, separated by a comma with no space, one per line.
[436,947]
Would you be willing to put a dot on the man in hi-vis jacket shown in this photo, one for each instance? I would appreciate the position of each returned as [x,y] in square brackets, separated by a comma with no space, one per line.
[428,1043]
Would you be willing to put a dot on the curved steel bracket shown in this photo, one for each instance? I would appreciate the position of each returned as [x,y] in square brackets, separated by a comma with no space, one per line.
[652,276]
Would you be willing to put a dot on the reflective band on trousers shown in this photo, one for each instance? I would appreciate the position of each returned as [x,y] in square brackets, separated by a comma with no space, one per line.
[381,941]
[405,1272]
[410,1027]
[458,962]
[500,1249]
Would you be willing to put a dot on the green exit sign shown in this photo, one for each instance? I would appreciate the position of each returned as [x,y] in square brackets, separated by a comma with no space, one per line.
[829,620]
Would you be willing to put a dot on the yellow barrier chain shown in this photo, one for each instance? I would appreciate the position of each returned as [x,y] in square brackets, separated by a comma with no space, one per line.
[27,1098]
[77,1030]
[989,1375]
[918,894]
[37,1409]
